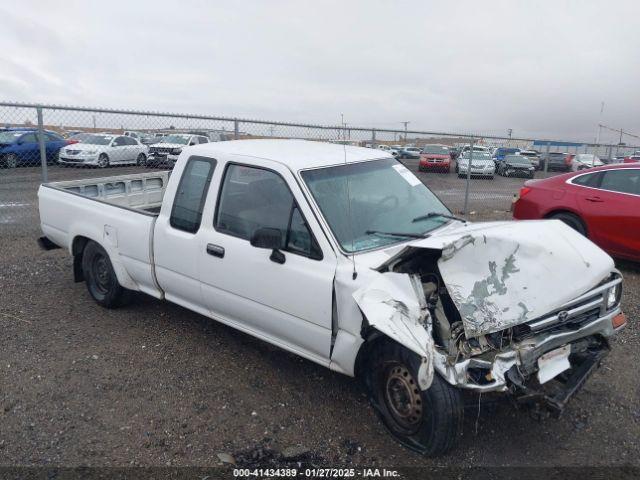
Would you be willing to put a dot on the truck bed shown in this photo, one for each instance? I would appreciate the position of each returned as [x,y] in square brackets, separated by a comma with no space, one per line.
[140,191]
[117,212]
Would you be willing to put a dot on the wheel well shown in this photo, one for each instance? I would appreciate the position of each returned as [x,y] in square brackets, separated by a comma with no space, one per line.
[374,340]
[569,212]
[77,248]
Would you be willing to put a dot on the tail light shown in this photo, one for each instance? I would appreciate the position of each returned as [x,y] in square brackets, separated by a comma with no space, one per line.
[524,191]
[70,142]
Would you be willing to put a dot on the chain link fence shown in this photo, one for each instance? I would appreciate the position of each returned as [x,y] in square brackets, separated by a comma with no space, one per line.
[42,143]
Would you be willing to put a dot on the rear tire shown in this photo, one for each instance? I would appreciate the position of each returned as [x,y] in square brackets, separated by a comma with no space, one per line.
[101,279]
[430,421]
[572,220]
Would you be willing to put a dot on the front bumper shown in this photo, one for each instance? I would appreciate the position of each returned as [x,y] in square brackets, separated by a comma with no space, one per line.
[162,159]
[78,159]
[485,171]
[522,355]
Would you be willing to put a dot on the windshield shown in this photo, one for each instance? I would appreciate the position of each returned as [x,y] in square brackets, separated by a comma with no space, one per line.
[587,157]
[97,140]
[385,196]
[517,159]
[80,137]
[10,137]
[175,139]
[435,150]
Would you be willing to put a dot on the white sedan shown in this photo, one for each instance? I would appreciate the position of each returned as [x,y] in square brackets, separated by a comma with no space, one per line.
[103,150]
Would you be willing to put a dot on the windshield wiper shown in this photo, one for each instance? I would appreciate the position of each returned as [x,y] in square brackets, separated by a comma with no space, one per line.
[435,215]
[396,234]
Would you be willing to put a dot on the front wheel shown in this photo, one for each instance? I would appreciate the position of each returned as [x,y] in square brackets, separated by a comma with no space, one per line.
[103,160]
[101,279]
[11,160]
[429,421]
[141,160]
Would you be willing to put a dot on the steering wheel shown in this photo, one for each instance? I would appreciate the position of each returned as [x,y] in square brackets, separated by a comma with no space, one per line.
[386,199]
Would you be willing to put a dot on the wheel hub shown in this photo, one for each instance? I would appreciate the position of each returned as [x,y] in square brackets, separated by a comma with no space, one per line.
[101,273]
[403,397]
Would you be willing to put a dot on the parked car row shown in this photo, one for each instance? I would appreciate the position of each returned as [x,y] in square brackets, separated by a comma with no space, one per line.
[20,146]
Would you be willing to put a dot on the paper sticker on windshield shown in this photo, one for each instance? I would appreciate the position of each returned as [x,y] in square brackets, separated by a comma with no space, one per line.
[407,175]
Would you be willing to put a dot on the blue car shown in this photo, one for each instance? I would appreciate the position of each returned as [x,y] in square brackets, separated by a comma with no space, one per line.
[502,152]
[19,146]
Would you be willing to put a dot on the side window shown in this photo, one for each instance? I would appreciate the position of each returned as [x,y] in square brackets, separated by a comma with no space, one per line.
[130,141]
[253,198]
[186,213]
[588,180]
[29,138]
[119,142]
[299,239]
[624,181]
[193,141]
[204,140]
[52,137]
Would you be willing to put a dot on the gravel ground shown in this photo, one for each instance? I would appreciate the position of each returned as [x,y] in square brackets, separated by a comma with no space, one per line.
[155,384]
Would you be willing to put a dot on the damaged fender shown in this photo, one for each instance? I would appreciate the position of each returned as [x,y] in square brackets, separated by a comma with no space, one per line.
[393,303]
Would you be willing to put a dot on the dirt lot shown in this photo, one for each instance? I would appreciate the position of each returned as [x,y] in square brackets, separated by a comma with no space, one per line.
[154,384]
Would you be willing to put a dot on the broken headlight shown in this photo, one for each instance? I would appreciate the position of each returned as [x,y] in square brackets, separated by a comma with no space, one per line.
[613,296]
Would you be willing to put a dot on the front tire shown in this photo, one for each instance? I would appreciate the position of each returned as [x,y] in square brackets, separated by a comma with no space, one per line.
[141,160]
[103,160]
[11,160]
[430,421]
[101,279]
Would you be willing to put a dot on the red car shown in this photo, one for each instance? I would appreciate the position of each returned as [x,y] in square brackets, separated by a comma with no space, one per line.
[632,158]
[602,203]
[435,157]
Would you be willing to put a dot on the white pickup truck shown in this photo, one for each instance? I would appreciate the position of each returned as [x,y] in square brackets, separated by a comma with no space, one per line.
[342,256]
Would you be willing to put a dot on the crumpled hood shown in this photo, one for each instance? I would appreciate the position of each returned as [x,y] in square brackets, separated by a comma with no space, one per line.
[501,274]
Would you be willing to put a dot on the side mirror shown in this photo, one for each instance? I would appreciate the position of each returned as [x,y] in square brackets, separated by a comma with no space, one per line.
[270,238]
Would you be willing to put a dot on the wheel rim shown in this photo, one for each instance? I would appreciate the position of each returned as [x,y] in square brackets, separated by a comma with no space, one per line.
[140,160]
[102,161]
[101,274]
[403,399]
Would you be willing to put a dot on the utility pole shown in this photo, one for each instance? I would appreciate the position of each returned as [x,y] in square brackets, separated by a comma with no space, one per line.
[405,129]
[94,123]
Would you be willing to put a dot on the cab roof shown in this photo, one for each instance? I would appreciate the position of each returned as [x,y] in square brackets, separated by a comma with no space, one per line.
[296,154]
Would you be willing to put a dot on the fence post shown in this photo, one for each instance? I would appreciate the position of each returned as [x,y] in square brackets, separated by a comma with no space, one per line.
[236,129]
[466,190]
[546,159]
[373,137]
[43,150]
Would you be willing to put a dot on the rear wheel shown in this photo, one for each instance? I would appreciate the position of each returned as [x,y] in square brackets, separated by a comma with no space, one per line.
[572,220]
[101,279]
[429,421]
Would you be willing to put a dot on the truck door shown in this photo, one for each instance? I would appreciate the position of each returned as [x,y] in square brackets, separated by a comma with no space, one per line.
[283,296]
[176,244]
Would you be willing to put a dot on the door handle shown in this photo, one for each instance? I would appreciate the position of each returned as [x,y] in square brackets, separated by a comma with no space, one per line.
[594,199]
[215,250]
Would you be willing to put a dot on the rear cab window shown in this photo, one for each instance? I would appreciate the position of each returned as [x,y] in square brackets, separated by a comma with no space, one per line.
[186,213]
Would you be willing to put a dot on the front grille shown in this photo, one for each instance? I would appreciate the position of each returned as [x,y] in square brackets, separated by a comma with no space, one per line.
[160,151]
[573,315]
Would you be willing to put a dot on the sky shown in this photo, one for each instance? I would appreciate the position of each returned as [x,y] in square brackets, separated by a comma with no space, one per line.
[539,68]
